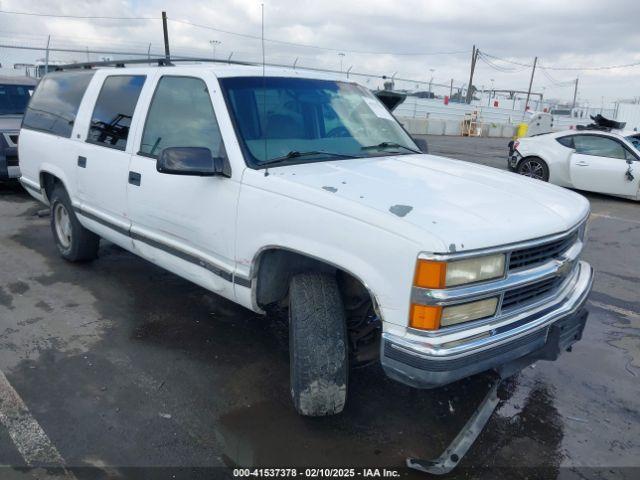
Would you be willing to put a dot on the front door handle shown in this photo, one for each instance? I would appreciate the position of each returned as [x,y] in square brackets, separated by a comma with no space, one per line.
[582,164]
[134,178]
[82,162]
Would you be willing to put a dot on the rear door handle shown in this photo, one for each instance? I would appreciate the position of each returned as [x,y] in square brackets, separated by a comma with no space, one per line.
[582,164]
[82,162]
[134,178]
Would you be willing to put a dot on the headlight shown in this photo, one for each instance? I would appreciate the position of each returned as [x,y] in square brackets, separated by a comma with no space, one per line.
[430,317]
[439,275]
[434,274]
[468,311]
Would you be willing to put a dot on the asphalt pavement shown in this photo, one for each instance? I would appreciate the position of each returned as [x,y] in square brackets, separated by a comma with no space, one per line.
[118,368]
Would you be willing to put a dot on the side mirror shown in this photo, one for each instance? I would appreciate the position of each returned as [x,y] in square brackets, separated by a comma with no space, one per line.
[195,161]
[422,144]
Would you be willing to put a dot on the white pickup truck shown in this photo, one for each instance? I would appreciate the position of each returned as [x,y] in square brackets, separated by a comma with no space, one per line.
[285,190]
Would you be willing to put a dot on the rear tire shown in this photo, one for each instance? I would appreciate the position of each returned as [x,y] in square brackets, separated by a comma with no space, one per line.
[534,167]
[75,243]
[319,364]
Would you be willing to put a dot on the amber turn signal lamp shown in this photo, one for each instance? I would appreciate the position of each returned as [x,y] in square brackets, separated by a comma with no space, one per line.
[425,317]
[430,274]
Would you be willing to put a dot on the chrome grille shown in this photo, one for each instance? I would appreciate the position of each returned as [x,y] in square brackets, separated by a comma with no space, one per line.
[538,271]
[519,297]
[528,257]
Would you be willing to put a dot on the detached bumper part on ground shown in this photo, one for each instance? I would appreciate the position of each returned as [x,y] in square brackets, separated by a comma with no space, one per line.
[541,334]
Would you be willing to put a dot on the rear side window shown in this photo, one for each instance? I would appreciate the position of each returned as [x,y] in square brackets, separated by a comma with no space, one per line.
[54,105]
[181,115]
[566,141]
[114,108]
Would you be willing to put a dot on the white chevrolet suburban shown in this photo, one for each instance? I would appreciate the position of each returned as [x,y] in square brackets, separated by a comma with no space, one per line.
[278,189]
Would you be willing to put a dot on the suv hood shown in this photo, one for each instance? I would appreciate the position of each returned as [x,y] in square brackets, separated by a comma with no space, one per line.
[463,205]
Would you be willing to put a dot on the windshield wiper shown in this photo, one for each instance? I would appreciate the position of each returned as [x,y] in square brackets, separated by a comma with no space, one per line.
[384,145]
[296,154]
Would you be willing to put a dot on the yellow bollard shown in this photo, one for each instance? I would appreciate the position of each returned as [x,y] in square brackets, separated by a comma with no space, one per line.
[522,130]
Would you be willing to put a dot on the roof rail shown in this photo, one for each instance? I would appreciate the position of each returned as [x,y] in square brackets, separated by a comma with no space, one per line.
[160,61]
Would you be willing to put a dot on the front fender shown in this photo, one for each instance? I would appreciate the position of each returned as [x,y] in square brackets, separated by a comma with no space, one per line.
[383,261]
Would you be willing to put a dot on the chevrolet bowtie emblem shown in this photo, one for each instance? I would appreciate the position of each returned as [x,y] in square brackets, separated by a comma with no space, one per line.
[564,266]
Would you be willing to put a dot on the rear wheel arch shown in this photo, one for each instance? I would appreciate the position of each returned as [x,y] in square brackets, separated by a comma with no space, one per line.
[74,242]
[539,159]
[48,181]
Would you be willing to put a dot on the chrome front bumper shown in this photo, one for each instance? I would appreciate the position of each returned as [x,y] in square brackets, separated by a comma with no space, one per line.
[425,361]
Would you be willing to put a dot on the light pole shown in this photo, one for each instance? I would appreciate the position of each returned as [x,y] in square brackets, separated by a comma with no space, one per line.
[341,55]
[214,44]
[491,92]
[431,80]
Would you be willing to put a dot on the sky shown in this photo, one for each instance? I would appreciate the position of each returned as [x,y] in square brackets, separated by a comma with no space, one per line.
[421,40]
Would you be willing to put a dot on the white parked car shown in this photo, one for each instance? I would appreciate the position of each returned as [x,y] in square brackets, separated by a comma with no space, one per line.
[292,191]
[592,160]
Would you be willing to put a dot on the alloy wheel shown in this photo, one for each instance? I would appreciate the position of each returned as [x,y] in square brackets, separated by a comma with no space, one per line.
[62,223]
[532,169]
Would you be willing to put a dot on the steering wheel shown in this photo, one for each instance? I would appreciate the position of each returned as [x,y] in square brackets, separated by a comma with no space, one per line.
[338,132]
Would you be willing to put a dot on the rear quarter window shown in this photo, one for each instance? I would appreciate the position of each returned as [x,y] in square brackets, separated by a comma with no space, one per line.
[566,141]
[54,105]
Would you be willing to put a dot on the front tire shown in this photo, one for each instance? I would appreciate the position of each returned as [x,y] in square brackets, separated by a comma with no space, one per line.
[534,167]
[75,243]
[319,364]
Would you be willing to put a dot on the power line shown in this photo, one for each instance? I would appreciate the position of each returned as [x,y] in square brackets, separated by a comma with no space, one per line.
[572,68]
[500,68]
[526,65]
[84,17]
[606,67]
[554,82]
[238,34]
[316,47]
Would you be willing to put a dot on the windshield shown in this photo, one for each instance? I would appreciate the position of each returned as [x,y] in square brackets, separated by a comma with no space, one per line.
[634,140]
[297,120]
[14,98]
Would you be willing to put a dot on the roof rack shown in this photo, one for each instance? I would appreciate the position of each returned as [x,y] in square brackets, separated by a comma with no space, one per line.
[160,61]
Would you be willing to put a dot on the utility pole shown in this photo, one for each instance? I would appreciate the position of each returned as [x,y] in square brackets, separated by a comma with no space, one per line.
[165,31]
[533,71]
[491,93]
[474,57]
[451,90]
[575,94]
